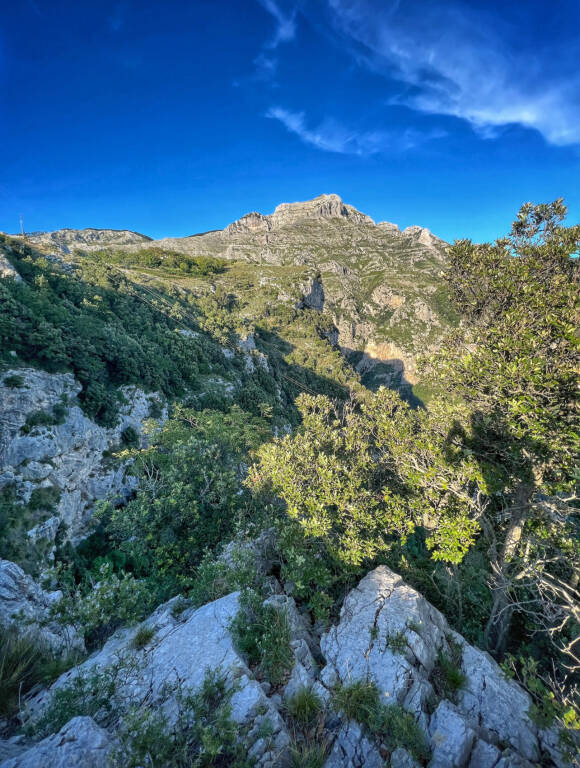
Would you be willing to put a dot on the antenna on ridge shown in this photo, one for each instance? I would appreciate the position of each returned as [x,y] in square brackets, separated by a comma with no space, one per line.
[21,225]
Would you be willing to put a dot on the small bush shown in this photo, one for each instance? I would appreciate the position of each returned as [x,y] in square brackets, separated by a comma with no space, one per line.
[14,382]
[397,642]
[130,437]
[304,707]
[142,637]
[217,578]
[87,694]
[262,634]
[360,701]
[44,498]
[203,735]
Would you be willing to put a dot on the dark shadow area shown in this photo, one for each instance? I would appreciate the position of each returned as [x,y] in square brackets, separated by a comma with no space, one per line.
[376,373]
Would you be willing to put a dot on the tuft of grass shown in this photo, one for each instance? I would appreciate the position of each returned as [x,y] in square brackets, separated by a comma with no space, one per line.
[360,701]
[262,634]
[14,382]
[397,642]
[447,676]
[21,667]
[142,637]
[304,707]
[308,755]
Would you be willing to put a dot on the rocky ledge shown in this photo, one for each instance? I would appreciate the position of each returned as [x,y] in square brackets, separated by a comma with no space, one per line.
[388,634]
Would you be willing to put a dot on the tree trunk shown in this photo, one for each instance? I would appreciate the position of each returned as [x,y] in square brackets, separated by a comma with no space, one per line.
[498,623]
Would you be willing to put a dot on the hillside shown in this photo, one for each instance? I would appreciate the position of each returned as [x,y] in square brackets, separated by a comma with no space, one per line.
[380,287]
[223,543]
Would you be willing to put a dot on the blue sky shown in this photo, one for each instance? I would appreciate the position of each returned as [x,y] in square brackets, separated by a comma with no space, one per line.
[171,118]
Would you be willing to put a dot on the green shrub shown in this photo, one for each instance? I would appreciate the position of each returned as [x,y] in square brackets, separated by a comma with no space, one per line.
[15,381]
[447,676]
[262,634]
[217,578]
[203,735]
[308,755]
[104,603]
[130,437]
[89,693]
[390,723]
[44,498]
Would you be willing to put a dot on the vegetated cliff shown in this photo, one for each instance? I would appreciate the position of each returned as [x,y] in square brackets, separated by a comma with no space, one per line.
[382,286]
[55,462]
[389,684]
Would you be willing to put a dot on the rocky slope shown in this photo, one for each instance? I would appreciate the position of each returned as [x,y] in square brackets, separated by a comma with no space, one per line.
[66,240]
[380,286]
[485,724]
[54,461]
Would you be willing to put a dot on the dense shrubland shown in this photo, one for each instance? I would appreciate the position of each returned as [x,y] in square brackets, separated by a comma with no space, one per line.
[472,499]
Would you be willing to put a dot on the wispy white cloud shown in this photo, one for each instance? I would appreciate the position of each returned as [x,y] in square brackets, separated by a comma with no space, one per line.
[285,23]
[332,136]
[457,61]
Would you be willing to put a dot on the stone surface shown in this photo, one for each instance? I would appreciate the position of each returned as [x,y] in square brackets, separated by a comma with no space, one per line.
[67,457]
[352,749]
[390,634]
[484,755]
[181,652]
[451,738]
[400,758]
[80,743]
[24,604]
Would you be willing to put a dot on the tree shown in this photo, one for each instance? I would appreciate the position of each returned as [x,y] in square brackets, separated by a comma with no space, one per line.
[514,363]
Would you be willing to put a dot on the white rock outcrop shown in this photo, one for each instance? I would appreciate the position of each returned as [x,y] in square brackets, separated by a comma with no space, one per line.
[389,634]
[66,456]
[80,743]
[180,654]
[26,606]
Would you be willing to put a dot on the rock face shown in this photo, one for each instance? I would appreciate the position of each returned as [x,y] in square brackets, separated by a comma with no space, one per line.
[80,743]
[387,633]
[390,634]
[180,654]
[63,458]
[65,240]
[7,270]
[24,604]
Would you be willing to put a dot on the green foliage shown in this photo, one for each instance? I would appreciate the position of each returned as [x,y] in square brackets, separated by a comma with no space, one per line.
[397,642]
[308,755]
[304,707]
[160,259]
[44,498]
[89,693]
[17,518]
[44,418]
[361,701]
[130,437]
[188,500]
[216,578]
[262,633]
[104,602]
[103,327]
[15,381]
[203,734]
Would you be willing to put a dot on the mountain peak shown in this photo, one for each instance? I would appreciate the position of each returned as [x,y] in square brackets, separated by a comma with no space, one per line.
[323,207]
